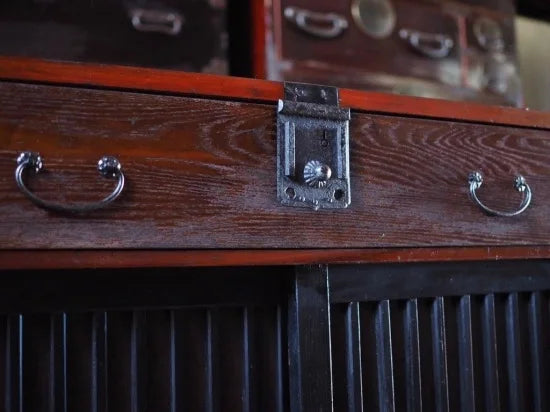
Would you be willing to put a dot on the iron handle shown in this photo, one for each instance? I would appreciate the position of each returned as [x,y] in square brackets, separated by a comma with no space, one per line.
[436,46]
[475,180]
[156,21]
[324,25]
[107,166]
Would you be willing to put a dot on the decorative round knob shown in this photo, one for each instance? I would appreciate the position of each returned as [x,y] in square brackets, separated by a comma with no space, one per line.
[31,159]
[316,174]
[109,166]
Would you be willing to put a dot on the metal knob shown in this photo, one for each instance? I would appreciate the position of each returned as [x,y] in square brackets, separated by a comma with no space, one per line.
[316,174]
[475,180]
[107,166]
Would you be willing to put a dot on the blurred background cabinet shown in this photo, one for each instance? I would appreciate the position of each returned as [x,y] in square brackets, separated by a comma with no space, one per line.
[471,50]
[175,34]
[443,49]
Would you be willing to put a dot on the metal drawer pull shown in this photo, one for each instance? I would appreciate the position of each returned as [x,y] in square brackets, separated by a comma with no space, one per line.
[325,25]
[436,46]
[107,166]
[475,180]
[156,21]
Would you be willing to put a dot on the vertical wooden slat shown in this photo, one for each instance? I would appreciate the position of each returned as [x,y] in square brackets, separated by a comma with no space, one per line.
[138,362]
[412,357]
[230,360]
[465,355]
[249,360]
[58,362]
[37,358]
[81,363]
[384,357]
[514,357]
[369,378]
[212,356]
[440,355]
[451,306]
[282,384]
[353,364]
[338,313]
[13,364]
[490,359]
[476,308]
[44,363]
[119,361]
[192,368]
[99,361]
[399,353]
[539,339]
[309,341]
[4,361]
[157,362]
[346,356]
[425,309]
[174,363]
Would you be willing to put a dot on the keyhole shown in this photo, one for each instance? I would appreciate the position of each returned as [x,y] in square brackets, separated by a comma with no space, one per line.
[324,139]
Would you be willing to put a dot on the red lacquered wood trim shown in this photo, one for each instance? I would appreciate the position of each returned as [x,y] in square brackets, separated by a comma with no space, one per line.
[137,78]
[154,80]
[443,109]
[258,39]
[80,259]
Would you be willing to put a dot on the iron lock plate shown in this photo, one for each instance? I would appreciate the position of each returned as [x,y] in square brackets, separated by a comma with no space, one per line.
[312,148]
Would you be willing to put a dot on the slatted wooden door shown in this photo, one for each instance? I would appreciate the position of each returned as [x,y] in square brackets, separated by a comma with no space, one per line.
[393,337]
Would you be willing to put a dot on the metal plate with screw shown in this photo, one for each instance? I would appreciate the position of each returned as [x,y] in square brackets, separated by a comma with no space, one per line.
[312,148]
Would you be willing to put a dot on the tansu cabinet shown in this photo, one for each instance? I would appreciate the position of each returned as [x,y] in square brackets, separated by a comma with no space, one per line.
[253,245]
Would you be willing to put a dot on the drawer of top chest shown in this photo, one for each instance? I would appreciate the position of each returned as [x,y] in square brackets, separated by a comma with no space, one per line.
[179,34]
[202,173]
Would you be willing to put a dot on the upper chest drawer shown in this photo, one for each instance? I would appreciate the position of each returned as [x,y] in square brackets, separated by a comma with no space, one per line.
[202,173]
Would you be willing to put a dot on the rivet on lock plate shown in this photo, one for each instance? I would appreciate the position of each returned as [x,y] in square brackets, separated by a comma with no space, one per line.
[312,148]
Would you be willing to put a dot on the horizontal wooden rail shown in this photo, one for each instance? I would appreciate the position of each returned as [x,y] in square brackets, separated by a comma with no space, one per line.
[79,259]
[167,81]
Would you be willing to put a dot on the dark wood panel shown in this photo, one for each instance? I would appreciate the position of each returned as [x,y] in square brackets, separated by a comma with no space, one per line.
[309,341]
[59,290]
[450,351]
[142,361]
[350,283]
[201,174]
[152,80]
[193,352]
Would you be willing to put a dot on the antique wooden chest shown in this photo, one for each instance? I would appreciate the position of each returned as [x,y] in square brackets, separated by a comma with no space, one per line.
[254,245]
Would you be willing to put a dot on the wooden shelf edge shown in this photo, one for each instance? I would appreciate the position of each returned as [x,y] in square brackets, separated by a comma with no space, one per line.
[195,84]
[81,259]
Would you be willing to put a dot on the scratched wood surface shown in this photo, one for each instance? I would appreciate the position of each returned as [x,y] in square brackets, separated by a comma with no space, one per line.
[201,174]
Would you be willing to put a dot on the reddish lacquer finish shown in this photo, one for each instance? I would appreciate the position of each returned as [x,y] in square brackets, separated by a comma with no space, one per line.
[79,259]
[258,46]
[173,82]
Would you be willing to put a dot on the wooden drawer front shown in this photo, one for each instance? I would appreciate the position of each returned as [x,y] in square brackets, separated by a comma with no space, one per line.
[202,174]
[355,49]
[179,34]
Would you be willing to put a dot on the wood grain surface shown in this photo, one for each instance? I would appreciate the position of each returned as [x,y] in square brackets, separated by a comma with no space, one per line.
[201,174]
[173,82]
[82,259]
